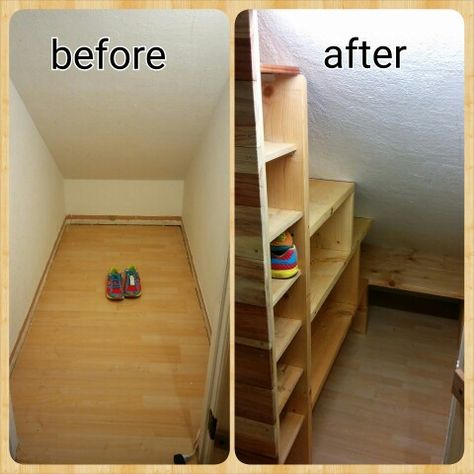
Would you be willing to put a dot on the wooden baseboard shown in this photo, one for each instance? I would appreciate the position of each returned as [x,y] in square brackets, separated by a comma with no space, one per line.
[26,323]
[123,220]
[198,287]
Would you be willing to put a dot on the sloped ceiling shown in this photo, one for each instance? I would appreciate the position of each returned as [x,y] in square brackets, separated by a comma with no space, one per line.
[397,133]
[121,124]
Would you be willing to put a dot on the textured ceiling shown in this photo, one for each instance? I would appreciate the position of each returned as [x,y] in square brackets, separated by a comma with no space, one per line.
[397,133]
[121,124]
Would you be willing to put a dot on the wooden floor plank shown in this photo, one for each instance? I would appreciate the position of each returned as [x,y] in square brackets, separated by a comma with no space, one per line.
[112,382]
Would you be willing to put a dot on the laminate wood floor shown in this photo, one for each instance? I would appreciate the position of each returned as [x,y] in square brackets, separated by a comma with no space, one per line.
[388,396]
[112,382]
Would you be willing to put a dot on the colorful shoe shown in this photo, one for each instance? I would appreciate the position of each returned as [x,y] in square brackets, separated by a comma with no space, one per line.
[282,243]
[114,287]
[132,287]
[285,264]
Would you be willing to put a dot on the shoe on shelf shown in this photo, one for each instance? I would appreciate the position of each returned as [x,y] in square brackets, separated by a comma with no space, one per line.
[132,287]
[282,243]
[114,285]
[285,263]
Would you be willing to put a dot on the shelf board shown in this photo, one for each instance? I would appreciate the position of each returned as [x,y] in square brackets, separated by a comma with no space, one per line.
[280,219]
[409,270]
[328,332]
[272,150]
[285,331]
[290,425]
[360,229]
[325,269]
[279,69]
[327,265]
[280,287]
[288,377]
[325,197]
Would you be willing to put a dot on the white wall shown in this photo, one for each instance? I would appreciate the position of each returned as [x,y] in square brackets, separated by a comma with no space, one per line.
[36,209]
[206,207]
[123,197]
[397,133]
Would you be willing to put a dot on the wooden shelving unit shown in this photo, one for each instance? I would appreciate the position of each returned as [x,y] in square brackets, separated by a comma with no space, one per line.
[288,332]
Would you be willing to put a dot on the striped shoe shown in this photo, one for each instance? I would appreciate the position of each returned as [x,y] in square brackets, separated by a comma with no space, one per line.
[285,264]
[132,287]
[114,285]
[282,243]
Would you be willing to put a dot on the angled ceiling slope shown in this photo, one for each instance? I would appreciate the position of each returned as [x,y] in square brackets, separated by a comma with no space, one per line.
[121,124]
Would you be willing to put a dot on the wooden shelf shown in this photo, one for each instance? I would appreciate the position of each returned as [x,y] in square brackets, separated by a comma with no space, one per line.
[326,268]
[272,150]
[325,197]
[279,69]
[279,220]
[290,425]
[280,287]
[328,265]
[288,377]
[285,330]
[328,331]
[360,229]
[409,270]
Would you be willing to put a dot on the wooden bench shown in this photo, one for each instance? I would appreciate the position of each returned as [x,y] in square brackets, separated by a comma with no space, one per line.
[409,270]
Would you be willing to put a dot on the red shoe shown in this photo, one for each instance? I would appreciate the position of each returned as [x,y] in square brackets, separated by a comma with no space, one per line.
[133,286]
[114,287]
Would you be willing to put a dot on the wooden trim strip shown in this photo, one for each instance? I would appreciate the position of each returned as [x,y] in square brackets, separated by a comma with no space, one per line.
[123,220]
[279,69]
[198,287]
[29,316]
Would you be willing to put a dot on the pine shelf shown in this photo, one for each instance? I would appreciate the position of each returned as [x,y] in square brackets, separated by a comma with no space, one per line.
[279,69]
[326,268]
[360,230]
[280,220]
[290,425]
[281,286]
[409,270]
[328,332]
[327,265]
[288,377]
[272,150]
[285,331]
[325,197]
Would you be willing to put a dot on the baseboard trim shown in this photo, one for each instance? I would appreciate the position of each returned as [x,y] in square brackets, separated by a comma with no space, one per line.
[123,220]
[29,316]
[198,287]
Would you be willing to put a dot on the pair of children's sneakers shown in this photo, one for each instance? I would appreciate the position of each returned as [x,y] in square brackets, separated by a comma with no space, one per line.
[123,285]
[284,257]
